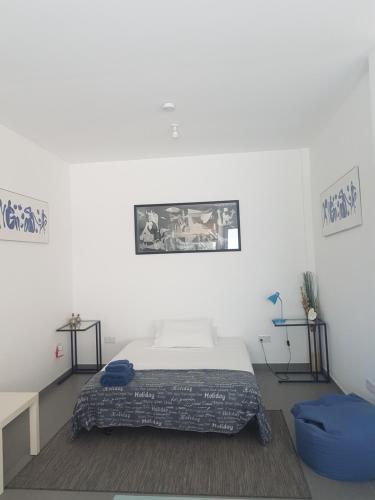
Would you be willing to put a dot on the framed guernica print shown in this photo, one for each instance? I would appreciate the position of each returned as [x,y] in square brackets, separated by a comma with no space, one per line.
[341,204]
[208,226]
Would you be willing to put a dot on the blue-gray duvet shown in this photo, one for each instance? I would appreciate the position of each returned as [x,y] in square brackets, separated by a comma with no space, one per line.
[221,401]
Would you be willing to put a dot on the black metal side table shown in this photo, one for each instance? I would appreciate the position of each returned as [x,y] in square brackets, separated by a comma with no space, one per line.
[318,371]
[83,326]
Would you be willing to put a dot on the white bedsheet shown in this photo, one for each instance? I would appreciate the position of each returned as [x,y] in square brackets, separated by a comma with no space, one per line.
[229,353]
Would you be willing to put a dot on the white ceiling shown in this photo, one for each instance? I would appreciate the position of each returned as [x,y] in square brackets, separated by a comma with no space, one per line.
[85,78]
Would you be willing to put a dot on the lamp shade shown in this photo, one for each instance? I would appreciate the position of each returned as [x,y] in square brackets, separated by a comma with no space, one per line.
[273,298]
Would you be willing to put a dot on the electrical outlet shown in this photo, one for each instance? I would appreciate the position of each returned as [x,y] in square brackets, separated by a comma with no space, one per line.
[59,351]
[110,340]
[264,338]
[370,386]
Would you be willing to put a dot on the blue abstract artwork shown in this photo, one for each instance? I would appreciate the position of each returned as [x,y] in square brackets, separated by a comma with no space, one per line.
[341,204]
[23,218]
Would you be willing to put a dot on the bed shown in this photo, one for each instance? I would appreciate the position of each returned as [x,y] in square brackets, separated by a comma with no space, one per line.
[201,389]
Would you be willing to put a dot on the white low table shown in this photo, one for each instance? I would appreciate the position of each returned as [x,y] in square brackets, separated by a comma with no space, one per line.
[13,404]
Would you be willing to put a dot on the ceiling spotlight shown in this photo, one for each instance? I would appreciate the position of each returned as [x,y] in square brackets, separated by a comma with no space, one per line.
[174,131]
[168,106]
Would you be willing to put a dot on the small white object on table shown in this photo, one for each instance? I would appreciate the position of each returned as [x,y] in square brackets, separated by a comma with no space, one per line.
[13,404]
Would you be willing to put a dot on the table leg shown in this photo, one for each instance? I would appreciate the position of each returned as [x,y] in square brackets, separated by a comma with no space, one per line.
[326,349]
[316,371]
[309,343]
[321,368]
[75,351]
[97,346]
[100,345]
[72,350]
[1,463]
[34,428]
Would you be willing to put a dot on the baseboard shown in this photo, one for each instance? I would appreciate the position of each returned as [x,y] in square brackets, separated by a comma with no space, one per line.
[282,366]
[55,382]
[62,376]
[15,469]
[338,385]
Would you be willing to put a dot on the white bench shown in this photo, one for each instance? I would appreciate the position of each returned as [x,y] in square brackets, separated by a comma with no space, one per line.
[13,404]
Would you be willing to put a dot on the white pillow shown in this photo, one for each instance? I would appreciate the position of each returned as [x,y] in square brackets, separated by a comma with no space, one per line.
[184,333]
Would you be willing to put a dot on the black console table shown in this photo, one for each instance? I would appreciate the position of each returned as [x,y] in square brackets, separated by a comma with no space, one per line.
[318,371]
[83,326]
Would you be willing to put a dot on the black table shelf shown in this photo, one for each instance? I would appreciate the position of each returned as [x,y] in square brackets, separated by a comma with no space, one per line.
[83,326]
[318,371]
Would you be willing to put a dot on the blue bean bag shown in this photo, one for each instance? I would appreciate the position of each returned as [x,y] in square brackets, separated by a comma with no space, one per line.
[336,436]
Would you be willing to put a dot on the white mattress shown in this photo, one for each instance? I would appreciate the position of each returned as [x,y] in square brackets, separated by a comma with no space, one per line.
[229,353]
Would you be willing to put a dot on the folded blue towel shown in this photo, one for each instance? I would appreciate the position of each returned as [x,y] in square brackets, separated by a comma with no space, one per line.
[119,366]
[119,362]
[111,379]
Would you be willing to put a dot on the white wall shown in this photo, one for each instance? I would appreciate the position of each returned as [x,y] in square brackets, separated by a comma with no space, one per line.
[35,279]
[127,292]
[345,261]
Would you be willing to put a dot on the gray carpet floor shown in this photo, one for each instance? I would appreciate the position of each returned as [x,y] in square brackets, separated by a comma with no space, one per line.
[154,461]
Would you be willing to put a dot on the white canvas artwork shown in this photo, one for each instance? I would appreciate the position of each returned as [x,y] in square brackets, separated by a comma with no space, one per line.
[341,204]
[23,218]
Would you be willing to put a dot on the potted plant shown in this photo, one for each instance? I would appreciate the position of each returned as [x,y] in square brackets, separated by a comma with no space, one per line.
[309,295]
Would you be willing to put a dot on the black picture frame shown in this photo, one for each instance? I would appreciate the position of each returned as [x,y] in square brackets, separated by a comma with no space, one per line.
[190,227]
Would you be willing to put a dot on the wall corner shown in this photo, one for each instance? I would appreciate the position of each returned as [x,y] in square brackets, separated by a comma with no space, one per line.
[307,208]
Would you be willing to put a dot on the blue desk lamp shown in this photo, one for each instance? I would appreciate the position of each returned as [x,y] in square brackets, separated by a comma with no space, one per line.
[274,298]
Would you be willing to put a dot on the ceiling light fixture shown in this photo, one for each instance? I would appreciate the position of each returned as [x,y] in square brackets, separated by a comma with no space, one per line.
[175,132]
[168,106]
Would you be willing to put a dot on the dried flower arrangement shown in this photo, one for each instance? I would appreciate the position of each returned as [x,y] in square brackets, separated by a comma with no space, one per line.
[309,293]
